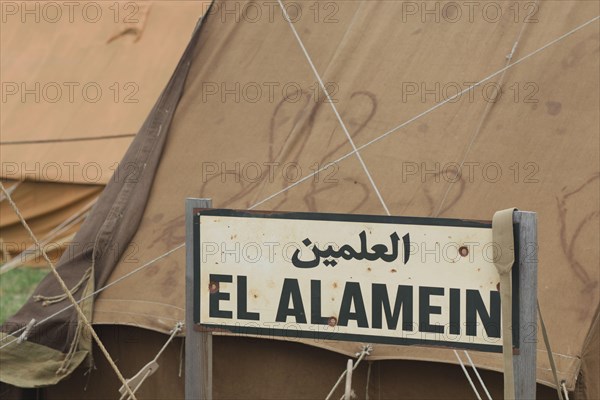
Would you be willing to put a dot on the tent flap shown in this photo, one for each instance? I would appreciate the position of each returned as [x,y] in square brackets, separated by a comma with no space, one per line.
[103,238]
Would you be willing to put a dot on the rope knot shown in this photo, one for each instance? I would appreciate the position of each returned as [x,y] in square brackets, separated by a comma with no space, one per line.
[366,350]
[25,333]
[178,328]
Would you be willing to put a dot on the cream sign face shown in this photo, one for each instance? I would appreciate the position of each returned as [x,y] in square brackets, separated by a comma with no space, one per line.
[370,279]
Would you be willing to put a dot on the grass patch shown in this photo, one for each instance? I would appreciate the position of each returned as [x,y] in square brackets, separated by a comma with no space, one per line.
[15,288]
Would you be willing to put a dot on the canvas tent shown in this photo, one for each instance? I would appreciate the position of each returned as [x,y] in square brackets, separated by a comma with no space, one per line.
[76,88]
[385,67]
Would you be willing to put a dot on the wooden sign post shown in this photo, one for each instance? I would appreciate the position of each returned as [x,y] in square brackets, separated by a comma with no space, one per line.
[525,361]
[198,344]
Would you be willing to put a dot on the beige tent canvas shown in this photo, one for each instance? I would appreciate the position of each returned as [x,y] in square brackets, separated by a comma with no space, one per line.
[420,92]
[78,79]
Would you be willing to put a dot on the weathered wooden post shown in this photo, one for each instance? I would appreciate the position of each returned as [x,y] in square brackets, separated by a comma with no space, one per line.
[524,361]
[198,345]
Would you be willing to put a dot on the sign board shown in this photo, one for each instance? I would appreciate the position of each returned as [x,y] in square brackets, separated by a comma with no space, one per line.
[370,279]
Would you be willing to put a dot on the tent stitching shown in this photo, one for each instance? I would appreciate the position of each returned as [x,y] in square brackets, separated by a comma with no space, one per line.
[74,139]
